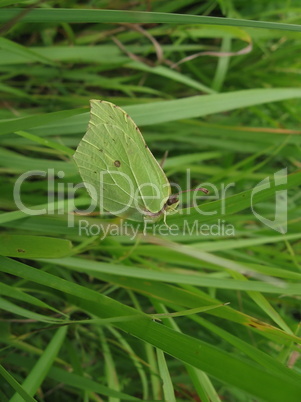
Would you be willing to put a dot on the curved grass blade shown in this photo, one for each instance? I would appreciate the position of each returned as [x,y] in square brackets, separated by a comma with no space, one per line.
[115,16]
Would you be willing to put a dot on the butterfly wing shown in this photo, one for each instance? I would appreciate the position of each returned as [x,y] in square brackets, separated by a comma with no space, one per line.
[117,167]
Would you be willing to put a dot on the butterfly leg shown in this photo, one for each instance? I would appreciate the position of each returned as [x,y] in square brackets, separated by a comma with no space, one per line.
[164,219]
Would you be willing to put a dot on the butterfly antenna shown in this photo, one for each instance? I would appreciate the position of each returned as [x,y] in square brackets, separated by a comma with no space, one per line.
[203,189]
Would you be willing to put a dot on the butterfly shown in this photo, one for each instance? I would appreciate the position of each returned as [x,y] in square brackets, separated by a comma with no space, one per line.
[118,169]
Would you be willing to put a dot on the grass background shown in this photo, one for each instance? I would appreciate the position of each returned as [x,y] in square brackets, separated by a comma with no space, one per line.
[217,84]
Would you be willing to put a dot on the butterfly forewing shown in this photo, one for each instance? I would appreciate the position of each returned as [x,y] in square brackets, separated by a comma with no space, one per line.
[113,159]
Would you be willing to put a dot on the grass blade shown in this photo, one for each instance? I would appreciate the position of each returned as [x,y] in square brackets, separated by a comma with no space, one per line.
[37,375]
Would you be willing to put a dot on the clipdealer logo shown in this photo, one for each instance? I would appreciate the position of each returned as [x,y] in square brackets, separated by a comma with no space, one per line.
[61,197]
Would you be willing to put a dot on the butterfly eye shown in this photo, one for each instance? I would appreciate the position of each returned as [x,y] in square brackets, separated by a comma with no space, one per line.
[172,200]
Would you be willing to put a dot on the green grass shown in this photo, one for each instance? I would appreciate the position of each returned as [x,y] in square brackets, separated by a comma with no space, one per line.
[163,317]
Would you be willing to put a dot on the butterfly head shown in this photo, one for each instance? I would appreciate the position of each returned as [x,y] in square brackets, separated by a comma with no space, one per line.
[172,203]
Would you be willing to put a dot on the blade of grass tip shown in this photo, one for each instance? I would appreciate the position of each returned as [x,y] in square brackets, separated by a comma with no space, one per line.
[14,309]
[21,123]
[38,373]
[47,143]
[105,321]
[170,74]
[114,16]
[263,303]
[26,52]
[18,294]
[292,253]
[65,205]
[202,105]
[187,312]
[15,385]
[168,391]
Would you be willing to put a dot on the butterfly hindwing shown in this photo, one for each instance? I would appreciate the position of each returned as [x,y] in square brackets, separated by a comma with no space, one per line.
[114,159]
